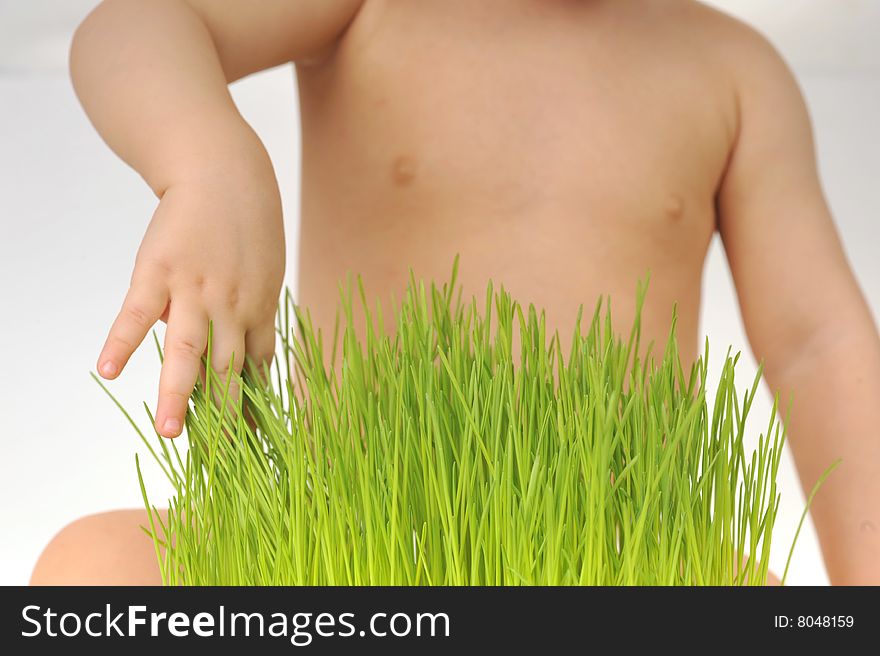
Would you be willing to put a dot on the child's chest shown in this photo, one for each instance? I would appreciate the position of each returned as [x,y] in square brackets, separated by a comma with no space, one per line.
[443,105]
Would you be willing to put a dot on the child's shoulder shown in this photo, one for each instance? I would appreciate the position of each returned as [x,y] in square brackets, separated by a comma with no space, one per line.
[740,56]
[734,44]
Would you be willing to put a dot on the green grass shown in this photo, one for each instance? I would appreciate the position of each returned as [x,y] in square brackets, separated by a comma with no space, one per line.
[442,457]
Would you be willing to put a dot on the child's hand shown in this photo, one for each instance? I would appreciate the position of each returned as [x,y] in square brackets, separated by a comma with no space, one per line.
[214,251]
[153,78]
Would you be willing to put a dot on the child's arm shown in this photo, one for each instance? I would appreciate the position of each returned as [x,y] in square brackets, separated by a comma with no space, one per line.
[152,76]
[804,312]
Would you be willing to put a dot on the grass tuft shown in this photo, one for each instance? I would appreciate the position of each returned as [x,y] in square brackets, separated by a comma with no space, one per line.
[439,456]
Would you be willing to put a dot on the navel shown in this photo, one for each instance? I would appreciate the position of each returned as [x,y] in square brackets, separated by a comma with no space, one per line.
[403,171]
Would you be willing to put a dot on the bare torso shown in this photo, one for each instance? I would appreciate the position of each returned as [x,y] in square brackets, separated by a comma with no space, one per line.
[562,148]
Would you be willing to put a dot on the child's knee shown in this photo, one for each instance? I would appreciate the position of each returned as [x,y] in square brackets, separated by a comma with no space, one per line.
[104,549]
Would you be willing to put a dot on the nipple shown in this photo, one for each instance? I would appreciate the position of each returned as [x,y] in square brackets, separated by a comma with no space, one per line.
[675,208]
[403,171]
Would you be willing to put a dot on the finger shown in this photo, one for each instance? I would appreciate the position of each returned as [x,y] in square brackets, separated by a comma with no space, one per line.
[260,347]
[259,352]
[185,341]
[227,358]
[143,306]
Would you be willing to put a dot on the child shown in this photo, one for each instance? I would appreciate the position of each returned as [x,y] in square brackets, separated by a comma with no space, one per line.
[563,147]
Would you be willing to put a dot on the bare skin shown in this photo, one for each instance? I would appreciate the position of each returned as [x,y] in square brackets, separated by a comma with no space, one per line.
[564,148]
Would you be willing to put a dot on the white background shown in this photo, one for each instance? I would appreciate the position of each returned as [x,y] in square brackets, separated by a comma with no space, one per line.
[72,217]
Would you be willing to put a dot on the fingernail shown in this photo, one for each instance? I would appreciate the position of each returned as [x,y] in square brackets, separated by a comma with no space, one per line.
[172,426]
[108,369]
